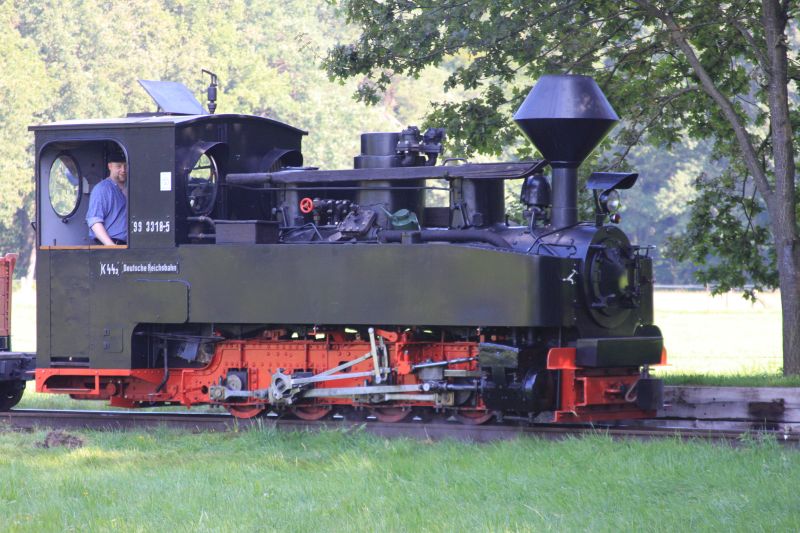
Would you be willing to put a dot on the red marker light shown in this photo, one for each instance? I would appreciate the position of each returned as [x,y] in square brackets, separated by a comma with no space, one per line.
[306,205]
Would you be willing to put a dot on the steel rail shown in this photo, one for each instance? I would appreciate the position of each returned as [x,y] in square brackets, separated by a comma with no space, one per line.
[129,420]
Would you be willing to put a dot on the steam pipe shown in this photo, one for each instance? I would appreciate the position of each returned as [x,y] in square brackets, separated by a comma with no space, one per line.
[448,235]
[565,196]
[203,219]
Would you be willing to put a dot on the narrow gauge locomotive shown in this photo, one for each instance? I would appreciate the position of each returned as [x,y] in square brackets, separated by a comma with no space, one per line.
[252,282]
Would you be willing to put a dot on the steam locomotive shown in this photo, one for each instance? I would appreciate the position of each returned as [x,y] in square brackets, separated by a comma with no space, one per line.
[395,289]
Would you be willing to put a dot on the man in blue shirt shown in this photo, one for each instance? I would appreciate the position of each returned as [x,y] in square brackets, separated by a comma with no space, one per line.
[107,216]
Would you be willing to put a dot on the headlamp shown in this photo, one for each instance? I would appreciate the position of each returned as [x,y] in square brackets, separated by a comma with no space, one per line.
[609,201]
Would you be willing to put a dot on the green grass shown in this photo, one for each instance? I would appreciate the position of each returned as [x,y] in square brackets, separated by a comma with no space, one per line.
[35,400]
[757,379]
[262,480]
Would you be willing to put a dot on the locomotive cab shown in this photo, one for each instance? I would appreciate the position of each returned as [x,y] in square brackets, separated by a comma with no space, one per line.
[176,164]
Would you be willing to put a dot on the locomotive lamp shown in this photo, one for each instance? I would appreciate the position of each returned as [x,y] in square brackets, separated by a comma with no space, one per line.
[609,201]
[535,195]
[605,187]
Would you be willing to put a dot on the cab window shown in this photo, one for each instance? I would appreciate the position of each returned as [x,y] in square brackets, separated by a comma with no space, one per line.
[65,186]
[68,172]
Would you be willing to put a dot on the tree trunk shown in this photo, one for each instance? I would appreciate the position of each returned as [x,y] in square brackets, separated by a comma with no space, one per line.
[789,276]
[783,209]
[27,243]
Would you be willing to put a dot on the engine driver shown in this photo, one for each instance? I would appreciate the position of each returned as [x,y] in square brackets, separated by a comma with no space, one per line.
[107,216]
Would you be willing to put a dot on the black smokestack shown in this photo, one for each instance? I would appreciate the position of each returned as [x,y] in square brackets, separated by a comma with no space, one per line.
[565,117]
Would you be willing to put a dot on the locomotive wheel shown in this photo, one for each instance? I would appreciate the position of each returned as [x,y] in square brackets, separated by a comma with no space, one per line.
[473,418]
[10,395]
[390,415]
[311,413]
[245,411]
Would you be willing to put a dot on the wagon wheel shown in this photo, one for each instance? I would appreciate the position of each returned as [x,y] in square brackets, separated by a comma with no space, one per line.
[311,413]
[472,417]
[10,394]
[245,411]
[391,415]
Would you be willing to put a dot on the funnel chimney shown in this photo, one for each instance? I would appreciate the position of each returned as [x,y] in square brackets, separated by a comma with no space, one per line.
[565,117]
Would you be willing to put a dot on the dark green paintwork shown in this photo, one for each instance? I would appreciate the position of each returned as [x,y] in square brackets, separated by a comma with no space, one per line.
[373,284]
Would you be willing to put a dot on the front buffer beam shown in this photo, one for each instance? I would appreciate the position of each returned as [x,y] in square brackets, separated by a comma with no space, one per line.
[593,394]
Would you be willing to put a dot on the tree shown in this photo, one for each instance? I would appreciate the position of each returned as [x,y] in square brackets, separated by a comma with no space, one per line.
[23,87]
[655,211]
[722,72]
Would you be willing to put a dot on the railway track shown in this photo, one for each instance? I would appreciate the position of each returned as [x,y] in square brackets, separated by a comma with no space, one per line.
[22,419]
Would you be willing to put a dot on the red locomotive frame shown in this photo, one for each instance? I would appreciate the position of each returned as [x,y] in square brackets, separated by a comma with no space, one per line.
[583,394]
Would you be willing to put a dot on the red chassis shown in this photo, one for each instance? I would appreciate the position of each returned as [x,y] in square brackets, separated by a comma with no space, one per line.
[583,394]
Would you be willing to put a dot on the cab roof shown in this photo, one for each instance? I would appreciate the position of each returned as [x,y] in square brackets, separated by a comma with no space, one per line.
[154,120]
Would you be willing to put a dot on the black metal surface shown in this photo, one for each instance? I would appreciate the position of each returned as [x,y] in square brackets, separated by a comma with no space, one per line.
[453,235]
[16,365]
[565,197]
[619,351]
[212,284]
[565,117]
[10,393]
[377,143]
[378,150]
[437,217]
[92,125]
[650,394]
[536,191]
[246,232]
[472,170]
[603,181]
[533,392]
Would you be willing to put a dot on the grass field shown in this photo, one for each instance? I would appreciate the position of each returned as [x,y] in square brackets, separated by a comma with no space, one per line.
[725,334]
[260,480]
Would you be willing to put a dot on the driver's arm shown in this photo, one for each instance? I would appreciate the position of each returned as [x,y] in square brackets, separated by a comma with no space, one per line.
[102,235]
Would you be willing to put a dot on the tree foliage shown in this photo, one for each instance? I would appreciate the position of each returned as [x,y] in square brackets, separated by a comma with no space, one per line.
[656,211]
[725,73]
[23,89]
